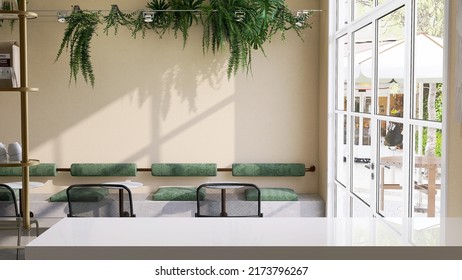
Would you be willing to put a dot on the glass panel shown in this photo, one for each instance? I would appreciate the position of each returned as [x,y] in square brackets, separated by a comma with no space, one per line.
[391,63]
[379,2]
[428,101]
[342,153]
[343,13]
[427,171]
[343,52]
[362,53]
[362,7]
[362,156]
[391,173]
[342,206]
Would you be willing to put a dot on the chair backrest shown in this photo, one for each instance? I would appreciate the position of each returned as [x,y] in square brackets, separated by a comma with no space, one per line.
[227,200]
[99,200]
[8,202]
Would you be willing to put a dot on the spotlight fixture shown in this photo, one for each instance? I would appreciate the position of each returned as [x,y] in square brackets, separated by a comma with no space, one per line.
[62,16]
[239,16]
[301,17]
[148,16]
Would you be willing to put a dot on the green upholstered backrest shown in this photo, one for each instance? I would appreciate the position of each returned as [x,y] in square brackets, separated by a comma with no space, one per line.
[5,194]
[268,169]
[39,170]
[81,195]
[178,194]
[103,169]
[184,169]
[271,194]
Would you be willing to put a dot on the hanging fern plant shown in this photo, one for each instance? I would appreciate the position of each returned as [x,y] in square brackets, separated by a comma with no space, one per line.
[162,18]
[240,26]
[82,25]
[234,23]
[116,18]
[186,13]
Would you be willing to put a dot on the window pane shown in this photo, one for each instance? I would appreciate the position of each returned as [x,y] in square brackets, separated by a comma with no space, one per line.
[342,205]
[342,152]
[342,73]
[362,7]
[427,171]
[391,191]
[363,52]
[343,13]
[391,63]
[381,1]
[362,156]
[428,57]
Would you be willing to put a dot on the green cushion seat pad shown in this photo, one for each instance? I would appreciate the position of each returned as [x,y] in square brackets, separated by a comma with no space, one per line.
[81,195]
[184,169]
[272,194]
[268,169]
[103,169]
[178,194]
[39,170]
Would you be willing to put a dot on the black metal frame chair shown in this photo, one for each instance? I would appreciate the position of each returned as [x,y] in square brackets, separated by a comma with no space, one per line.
[222,187]
[9,208]
[77,206]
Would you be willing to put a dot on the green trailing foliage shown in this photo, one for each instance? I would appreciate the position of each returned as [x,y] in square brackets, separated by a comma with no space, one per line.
[238,26]
[187,13]
[81,26]
[116,18]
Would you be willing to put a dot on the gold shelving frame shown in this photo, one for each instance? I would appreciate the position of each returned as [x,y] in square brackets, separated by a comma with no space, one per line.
[23,15]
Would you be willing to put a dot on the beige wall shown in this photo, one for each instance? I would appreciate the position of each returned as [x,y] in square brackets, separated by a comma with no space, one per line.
[454,147]
[156,102]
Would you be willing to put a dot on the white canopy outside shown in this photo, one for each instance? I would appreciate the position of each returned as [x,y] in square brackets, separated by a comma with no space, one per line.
[391,59]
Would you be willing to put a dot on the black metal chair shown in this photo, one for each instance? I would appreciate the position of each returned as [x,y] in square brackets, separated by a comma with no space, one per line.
[228,200]
[10,217]
[99,200]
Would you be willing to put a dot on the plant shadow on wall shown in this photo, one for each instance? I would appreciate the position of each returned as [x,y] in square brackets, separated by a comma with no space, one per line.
[237,26]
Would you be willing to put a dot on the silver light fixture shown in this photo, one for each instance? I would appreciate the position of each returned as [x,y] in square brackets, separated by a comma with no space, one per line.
[62,16]
[239,16]
[148,16]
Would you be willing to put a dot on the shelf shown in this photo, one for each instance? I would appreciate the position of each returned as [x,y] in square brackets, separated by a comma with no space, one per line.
[31,162]
[20,89]
[16,14]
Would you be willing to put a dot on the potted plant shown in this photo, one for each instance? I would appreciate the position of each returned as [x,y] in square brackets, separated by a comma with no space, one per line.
[81,26]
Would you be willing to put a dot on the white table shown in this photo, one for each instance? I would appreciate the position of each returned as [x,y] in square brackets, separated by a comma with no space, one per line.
[18,185]
[227,238]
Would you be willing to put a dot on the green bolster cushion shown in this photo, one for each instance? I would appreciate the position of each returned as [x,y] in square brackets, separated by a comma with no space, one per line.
[268,169]
[81,195]
[271,194]
[103,169]
[184,169]
[178,194]
[39,170]
[5,194]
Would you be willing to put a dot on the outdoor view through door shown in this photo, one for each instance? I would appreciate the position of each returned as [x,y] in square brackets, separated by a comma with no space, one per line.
[388,107]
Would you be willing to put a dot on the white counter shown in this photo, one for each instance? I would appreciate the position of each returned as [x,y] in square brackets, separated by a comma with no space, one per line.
[231,238]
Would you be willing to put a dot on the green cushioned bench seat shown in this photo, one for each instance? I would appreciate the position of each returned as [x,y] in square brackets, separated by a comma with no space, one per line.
[81,195]
[268,169]
[184,169]
[271,194]
[39,170]
[177,194]
[103,169]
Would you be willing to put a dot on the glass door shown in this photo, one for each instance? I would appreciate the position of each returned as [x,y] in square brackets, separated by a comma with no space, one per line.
[388,107]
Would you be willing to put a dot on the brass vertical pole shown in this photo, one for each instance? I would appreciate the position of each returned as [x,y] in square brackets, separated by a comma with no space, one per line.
[24,113]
